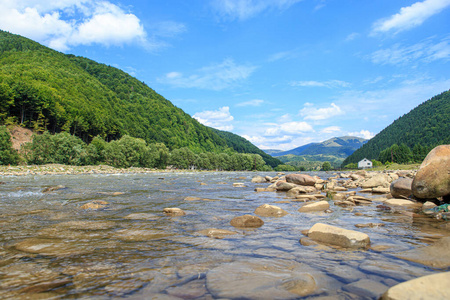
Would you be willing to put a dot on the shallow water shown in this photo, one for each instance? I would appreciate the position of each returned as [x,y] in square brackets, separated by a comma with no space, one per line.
[113,252]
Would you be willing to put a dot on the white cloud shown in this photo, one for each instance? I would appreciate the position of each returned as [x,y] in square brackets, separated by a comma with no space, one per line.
[213,77]
[365,134]
[352,36]
[67,23]
[220,119]
[426,51]
[327,84]
[410,16]
[289,128]
[255,102]
[331,129]
[245,9]
[309,112]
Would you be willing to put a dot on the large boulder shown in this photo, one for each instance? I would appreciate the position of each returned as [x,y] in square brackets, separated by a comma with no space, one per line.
[259,179]
[301,179]
[247,221]
[433,286]
[401,188]
[338,236]
[433,177]
[267,210]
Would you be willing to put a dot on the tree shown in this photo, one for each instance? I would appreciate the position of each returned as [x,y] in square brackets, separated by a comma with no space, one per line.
[7,154]
[326,166]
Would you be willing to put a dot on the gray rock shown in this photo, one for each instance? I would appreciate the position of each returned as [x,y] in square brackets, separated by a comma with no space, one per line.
[401,188]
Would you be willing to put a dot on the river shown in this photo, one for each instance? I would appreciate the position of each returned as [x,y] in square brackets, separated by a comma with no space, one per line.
[51,248]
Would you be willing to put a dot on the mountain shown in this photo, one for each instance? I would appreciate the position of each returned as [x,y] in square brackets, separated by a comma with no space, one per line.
[340,147]
[427,125]
[47,90]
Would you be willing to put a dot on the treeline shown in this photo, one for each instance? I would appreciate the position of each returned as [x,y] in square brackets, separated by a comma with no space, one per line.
[64,148]
[400,154]
[427,126]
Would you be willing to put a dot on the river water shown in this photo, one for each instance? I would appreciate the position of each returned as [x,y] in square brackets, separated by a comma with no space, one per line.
[51,248]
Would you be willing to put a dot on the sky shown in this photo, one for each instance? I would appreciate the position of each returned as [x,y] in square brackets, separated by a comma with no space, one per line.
[281,73]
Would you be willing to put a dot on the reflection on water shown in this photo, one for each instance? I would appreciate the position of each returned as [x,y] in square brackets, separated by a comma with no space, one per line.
[51,248]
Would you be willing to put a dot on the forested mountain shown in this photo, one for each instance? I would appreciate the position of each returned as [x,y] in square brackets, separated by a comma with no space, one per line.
[427,126]
[47,90]
[340,147]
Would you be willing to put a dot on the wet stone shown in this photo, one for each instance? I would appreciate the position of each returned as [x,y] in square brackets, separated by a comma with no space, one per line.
[264,279]
[140,235]
[141,216]
[53,247]
[366,288]
[247,221]
[216,233]
[436,255]
[267,210]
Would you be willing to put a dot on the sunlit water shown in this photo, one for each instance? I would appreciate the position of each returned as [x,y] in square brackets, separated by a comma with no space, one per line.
[99,255]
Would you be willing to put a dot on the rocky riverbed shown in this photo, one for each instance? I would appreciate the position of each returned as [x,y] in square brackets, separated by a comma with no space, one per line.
[219,235]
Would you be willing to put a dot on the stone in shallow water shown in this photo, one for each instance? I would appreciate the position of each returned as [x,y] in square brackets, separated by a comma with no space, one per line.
[338,236]
[140,235]
[216,233]
[366,288]
[436,255]
[316,206]
[141,216]
[247,221]
[266,279]
[427,287]
[267,210]
[53,247]
[174,212]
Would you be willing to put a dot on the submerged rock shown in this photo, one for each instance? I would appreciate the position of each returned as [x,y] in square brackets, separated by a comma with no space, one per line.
[53,247]
[216,233]
[267,210]
[433,286]
[436,255]
[140,235]
[247,221]
[53,188]
[265,279]
[432,179]
[174,212]
[95,205]
[338,236]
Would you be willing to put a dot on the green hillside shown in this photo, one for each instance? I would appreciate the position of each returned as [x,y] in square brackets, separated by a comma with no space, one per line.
[427,125]
[47,90]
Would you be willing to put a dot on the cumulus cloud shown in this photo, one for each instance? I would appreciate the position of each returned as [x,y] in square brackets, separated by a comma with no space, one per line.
[67,23]
[220,119]
[410,16]
[331,129]
[365,134]
[214,77]
[309,112]
[327,84]
[255,102]
[245,9]
[289,128]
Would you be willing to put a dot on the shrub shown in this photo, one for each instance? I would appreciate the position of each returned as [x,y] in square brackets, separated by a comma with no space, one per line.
[8,156]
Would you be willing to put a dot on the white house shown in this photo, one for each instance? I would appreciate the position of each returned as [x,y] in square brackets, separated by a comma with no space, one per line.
[364,164]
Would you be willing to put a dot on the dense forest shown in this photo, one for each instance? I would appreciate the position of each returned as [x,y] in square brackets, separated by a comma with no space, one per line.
[49,91]
[411,136]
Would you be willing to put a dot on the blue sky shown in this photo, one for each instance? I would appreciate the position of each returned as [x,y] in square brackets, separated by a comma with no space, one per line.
[281,73]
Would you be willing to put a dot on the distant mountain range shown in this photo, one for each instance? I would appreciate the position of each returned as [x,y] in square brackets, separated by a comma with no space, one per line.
[340,147]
